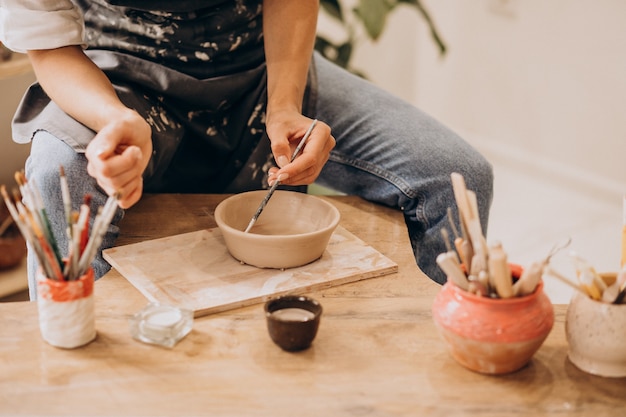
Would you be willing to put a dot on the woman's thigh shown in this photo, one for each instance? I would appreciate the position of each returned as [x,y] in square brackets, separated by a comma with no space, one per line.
[390,152]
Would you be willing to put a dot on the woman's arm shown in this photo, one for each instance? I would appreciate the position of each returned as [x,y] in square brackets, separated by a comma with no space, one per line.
[51,32]
[289,29]
[122,147]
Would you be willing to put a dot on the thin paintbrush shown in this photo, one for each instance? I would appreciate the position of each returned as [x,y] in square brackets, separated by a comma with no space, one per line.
[277,183]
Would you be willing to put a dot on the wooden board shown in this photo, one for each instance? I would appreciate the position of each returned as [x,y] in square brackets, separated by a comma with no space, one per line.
[195,270]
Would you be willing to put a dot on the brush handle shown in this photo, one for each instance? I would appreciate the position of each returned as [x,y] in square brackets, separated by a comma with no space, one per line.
[277,183]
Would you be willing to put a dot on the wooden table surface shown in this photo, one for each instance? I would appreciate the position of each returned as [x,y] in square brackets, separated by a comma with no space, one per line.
[377,352]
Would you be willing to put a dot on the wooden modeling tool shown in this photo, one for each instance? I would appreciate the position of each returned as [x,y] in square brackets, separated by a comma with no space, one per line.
[449,264]
[499,272]
[277,183]
[612,292]
[470,222]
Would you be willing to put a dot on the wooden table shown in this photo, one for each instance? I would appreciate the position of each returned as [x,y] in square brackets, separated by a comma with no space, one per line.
[377,352]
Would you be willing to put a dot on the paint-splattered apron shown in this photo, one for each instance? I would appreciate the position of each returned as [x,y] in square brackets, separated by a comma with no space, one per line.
[196,71]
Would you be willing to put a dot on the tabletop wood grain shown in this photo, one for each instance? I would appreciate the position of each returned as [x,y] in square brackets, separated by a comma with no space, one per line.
[377,352]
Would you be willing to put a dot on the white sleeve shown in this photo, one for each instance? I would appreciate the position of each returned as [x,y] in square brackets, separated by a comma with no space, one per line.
[40,24]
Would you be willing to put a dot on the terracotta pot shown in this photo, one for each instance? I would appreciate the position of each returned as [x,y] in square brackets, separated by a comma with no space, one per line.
[492,336]
[596,337]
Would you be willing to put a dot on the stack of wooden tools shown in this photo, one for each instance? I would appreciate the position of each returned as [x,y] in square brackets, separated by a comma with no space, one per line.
[484,270]
[28,211]
[591,283]
[473,265]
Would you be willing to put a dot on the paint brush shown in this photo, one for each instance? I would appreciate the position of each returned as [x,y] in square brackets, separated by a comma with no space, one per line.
[277,183]
[67,202]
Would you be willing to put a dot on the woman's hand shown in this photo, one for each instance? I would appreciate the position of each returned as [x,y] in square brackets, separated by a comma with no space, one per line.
[120,151]
[118,155]
[289,36]
[285,130]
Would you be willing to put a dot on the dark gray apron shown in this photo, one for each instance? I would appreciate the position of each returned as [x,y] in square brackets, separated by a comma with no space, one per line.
[195,70]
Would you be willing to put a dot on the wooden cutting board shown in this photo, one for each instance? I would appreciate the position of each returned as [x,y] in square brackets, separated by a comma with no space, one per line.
[195,270]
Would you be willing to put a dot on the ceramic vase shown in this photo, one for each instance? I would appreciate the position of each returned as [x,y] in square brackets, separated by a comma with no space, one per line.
[596,336]
[490,335]
[66,310]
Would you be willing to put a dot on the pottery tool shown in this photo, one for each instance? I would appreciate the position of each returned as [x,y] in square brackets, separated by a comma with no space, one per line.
[612,292]
[470,222]
[446,239]
[531,276]
[548,270]
[463,247]
[277,183]
[591,282]
[499,272]
[448,262]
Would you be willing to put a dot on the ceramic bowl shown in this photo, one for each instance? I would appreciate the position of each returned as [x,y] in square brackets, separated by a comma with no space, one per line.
[595,335]
[293,229]
[292,321]
[492,336]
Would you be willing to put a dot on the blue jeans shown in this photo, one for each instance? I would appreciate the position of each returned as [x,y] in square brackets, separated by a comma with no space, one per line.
[387,151]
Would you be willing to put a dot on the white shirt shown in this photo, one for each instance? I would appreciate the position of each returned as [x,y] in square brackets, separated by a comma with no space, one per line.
[40,24]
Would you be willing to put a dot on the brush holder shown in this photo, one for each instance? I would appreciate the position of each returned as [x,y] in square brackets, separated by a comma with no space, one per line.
[66,310]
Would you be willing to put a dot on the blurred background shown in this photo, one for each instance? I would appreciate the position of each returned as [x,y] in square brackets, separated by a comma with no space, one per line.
[538,87]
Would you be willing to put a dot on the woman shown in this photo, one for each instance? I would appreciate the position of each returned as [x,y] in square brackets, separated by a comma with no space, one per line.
[206,96]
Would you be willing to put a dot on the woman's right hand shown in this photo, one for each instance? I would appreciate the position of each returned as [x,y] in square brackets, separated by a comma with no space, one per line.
[119,154]
[122,147]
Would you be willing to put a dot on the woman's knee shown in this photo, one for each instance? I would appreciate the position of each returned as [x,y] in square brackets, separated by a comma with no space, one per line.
[48,154]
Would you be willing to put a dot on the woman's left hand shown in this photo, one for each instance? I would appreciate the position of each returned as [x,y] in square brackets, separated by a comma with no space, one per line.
[285,130]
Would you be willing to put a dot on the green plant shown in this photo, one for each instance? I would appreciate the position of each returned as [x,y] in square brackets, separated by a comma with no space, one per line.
[371,15]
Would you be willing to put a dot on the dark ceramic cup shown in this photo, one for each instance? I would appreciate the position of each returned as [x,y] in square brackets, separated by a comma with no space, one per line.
[292,321]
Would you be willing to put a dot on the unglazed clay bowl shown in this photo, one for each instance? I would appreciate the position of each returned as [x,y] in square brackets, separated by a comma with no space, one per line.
[492,336]
[292,321]
[293,229]
[596,335]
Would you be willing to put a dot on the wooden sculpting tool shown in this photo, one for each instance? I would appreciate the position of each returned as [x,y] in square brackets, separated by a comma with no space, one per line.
[499,272]
[277,183]
[448,262]
[470,222]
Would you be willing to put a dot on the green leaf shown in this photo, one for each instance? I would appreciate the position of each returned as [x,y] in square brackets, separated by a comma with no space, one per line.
[434,33]
[373,14]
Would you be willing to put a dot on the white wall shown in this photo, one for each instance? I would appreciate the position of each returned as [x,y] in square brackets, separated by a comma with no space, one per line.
[539,83]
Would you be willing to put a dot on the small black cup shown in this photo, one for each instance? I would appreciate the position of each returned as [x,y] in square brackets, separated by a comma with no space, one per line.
[292,321]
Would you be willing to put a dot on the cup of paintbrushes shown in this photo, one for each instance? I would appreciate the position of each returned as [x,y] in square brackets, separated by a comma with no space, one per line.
[66,310]
[595,330]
